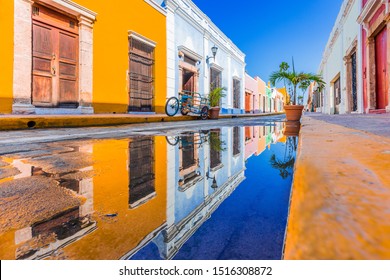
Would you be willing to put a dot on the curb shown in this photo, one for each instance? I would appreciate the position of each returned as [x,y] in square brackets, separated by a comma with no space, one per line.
[13,122]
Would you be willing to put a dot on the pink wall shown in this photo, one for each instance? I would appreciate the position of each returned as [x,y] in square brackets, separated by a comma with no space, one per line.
[252,87]
[251,140]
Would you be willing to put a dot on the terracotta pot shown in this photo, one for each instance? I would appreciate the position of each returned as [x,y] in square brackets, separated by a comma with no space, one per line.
[292,128]
[214,113]
[293,112]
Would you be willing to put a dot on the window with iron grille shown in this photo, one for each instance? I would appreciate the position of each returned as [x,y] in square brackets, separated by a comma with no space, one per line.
[188,151]
[215,79]
[236,141]
[236,93]
[215,148]
[141,170]
[141,76]
[354,82]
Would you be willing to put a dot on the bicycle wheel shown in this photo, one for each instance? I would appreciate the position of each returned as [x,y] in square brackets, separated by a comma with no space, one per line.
[172,140]
[172,106]
[184,111]
[204,113]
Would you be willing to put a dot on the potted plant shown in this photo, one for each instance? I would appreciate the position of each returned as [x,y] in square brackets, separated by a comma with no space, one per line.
[215,96]
[294,80]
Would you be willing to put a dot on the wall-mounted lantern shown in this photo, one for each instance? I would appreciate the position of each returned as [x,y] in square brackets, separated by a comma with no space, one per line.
[214,50]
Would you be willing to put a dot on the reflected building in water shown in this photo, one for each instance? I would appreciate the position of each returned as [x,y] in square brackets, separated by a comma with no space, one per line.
[204,169]
[258,138]
[131,192]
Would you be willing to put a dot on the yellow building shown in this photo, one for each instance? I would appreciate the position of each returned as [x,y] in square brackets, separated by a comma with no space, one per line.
[82,56]
[285,94]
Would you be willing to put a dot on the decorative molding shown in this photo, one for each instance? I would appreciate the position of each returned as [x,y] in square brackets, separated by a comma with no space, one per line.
[216,66]
[72,8]
[143,39]
[189,53]
[192,14]
[338,26]
[156,6]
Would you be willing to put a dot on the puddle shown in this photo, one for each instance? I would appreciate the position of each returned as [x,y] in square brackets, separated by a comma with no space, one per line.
[207,194]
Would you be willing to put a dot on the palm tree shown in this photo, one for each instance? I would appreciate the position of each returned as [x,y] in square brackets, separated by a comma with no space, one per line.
[294,78]
[304,86]
[286,165]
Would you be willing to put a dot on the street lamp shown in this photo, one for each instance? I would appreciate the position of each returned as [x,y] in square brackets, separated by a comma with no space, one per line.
[214,184]
[214,50]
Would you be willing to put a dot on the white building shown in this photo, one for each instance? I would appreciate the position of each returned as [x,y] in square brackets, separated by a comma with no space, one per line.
[192,65]
[341,64]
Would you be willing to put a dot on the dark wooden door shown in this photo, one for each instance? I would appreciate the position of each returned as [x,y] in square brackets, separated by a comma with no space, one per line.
[188,81]
[337,96]
[381,69]
[55,59]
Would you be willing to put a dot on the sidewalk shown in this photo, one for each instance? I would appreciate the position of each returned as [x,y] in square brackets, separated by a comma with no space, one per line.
[340,203]
[16,122]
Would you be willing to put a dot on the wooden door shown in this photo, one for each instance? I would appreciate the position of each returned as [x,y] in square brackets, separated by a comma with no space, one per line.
[247,102]
[188,81]
[55,59]
[381,69]
[43,67]
[337,96]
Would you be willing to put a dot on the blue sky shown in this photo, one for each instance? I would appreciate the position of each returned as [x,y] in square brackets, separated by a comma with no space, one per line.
[272,31]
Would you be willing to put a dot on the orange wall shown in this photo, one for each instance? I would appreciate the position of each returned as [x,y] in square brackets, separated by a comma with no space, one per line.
[116,236]
[110,50]
[6,55]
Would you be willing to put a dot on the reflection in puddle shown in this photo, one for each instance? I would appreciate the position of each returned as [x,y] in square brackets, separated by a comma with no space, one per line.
[111,199]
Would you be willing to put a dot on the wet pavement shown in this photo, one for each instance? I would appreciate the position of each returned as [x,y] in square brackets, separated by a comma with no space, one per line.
[151,192]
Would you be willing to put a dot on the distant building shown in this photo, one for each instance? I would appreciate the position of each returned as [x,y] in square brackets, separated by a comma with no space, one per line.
[262,95]
[252,96]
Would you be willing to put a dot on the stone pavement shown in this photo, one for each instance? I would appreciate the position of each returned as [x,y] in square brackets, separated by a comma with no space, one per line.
[378,124]
[340,202]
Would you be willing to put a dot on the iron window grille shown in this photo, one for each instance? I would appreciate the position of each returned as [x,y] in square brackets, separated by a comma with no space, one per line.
[236,93]
[236,141]
[215,150]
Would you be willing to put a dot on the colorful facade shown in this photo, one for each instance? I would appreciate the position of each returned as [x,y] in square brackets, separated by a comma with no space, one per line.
[262,94]
[375,45]
[356,61]
[192,65]
[85,57]
[252,96]
[341,64]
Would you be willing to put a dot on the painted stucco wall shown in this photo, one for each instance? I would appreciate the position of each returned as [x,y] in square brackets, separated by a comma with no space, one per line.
[188,27]
[110,52]
[261,89]
[252,87]
[111,47]
[6,55]
[345,32]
